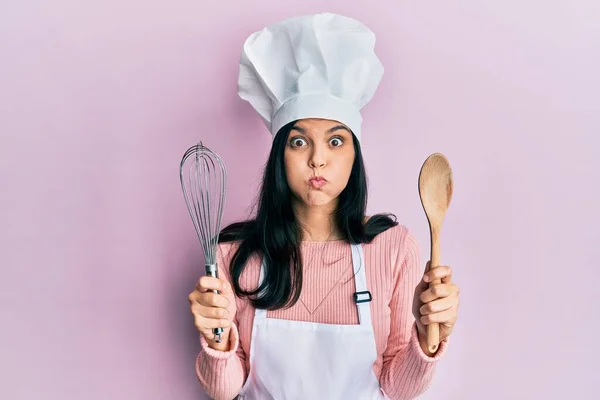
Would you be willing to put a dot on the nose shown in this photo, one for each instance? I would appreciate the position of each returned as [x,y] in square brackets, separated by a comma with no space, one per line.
[317,157]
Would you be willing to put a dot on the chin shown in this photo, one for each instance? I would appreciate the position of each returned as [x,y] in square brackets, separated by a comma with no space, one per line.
[317,199]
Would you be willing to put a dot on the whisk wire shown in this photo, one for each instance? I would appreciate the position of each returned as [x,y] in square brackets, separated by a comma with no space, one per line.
[204,193]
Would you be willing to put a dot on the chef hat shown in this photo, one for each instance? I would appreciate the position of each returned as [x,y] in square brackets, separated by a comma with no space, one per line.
[315,66]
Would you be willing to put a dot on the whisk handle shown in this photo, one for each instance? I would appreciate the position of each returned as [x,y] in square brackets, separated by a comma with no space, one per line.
[212,270]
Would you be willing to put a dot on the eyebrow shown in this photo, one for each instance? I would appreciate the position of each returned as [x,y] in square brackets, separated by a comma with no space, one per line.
[329,131]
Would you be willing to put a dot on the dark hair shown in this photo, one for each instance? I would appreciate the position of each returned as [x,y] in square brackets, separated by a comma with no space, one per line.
[274,233]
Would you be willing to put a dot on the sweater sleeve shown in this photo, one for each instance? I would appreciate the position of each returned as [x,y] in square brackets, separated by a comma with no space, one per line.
[222,373]
[407,371]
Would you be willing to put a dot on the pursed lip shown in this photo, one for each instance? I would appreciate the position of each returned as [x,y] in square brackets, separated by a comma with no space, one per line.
[317,179]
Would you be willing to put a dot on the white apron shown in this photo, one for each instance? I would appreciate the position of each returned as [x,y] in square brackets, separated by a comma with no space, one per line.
[305,360]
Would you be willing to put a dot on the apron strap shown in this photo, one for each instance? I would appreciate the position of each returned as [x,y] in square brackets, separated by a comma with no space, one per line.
[360,281]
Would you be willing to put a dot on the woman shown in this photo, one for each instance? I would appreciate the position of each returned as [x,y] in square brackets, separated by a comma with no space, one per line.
[316,299]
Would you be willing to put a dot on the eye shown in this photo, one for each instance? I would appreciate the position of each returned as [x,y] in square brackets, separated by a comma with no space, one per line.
[336,141]
[296,142]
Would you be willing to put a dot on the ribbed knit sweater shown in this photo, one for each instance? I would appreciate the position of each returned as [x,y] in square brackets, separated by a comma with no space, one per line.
[393,270]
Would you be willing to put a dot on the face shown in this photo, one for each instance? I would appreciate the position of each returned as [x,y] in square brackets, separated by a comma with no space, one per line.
[323,149]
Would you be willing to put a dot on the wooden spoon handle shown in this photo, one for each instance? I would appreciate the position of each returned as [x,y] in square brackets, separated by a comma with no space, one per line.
[433,329]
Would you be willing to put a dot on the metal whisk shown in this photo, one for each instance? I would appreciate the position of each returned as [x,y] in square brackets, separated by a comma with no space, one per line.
[203,181]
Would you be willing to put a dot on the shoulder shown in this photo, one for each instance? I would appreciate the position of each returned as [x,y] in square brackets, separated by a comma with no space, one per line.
[227,250]
[397,242]
[246,269]
[395,236]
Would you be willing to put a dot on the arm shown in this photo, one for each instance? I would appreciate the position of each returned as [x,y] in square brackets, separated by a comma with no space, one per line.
[222,373]
[407,371]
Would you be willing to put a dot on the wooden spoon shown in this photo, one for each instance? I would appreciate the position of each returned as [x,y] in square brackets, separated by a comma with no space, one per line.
[435,191]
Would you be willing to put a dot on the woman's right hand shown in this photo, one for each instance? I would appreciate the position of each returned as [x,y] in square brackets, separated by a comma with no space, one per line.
[212,310]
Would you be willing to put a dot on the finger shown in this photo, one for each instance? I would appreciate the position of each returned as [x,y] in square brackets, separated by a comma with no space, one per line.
[208,283]
[442,317]
[448,278]
[193,297]
[437,291]
[439,272]
[211,299]
[439,305]
[203,323]
[210,312]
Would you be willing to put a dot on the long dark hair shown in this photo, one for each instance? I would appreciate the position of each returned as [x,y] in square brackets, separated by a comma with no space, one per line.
[274,233]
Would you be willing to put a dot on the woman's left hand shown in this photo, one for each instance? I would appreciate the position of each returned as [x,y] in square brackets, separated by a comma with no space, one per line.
[438,303]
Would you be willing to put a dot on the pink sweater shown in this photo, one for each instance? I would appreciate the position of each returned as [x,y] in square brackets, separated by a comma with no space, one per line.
[393,271]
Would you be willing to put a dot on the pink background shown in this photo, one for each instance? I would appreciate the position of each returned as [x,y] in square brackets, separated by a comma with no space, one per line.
[99,100]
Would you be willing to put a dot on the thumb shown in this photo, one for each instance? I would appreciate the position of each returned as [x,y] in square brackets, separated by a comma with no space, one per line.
[226,288]
[427,268]
[422,284]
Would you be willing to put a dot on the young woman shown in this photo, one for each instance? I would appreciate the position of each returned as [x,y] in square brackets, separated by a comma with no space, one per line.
[317,300]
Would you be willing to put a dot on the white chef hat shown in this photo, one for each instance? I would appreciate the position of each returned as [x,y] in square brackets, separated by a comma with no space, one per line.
[314,66]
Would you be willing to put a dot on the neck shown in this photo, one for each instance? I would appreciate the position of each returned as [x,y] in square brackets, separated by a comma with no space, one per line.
[317,222]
